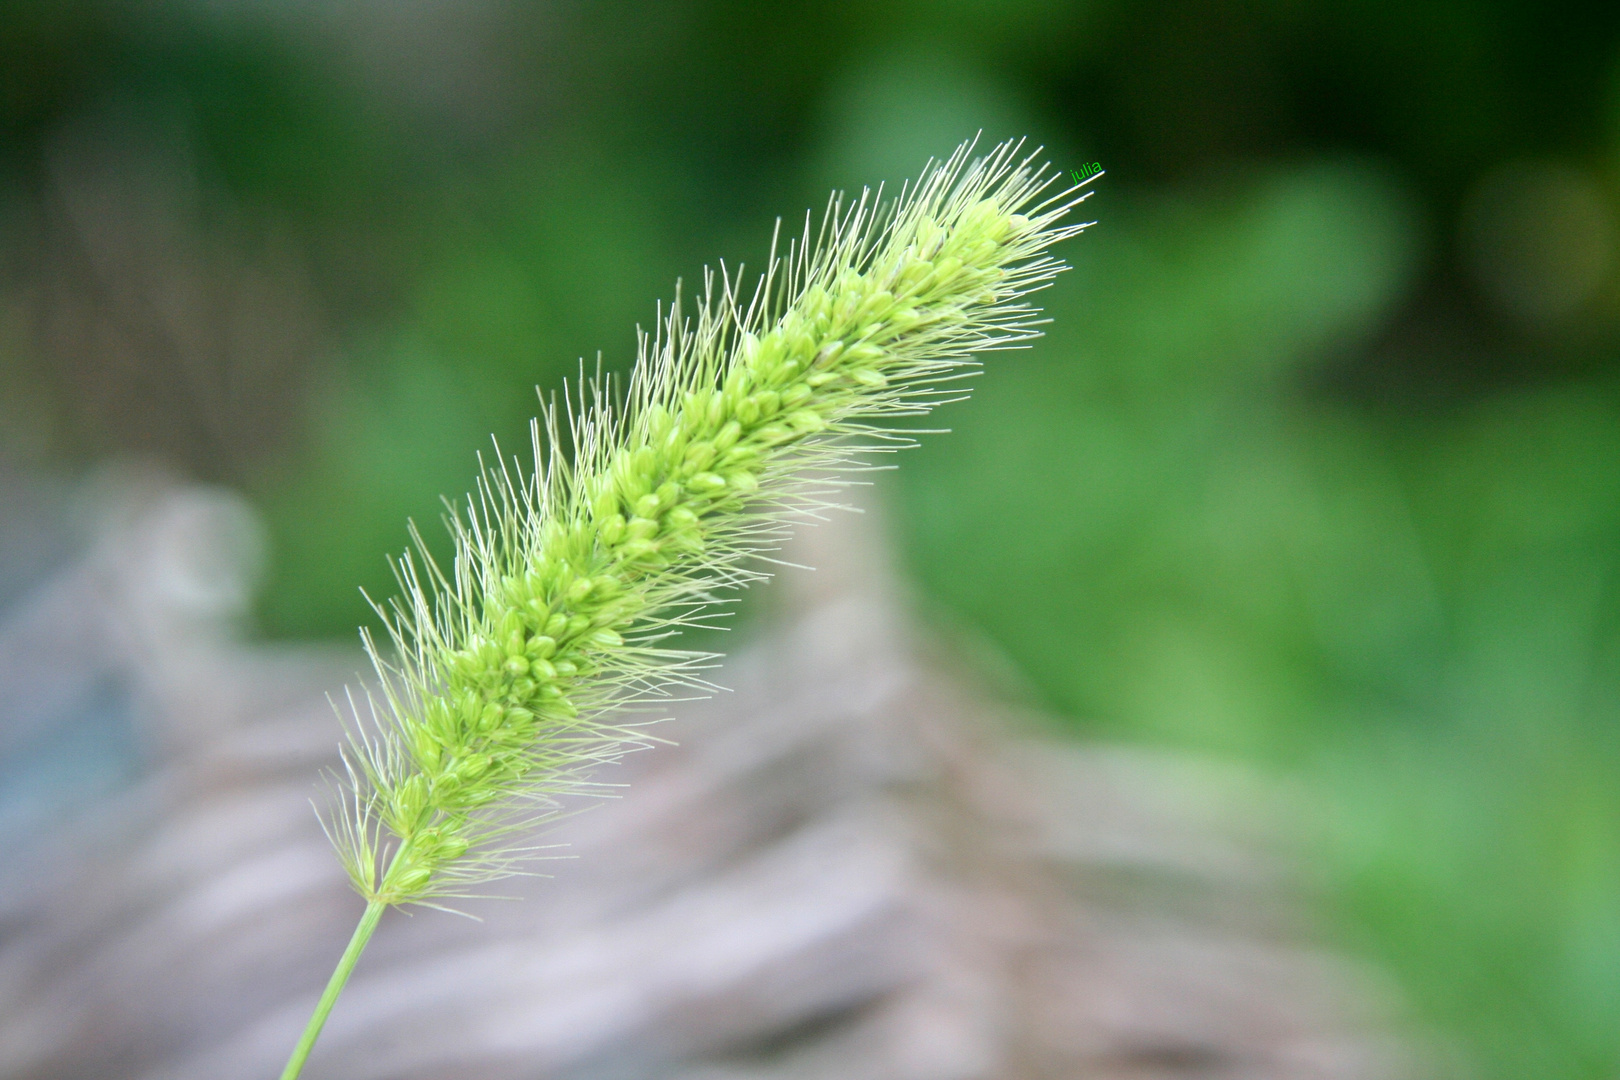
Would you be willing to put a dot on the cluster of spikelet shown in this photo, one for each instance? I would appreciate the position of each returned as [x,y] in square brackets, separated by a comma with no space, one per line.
[509,669]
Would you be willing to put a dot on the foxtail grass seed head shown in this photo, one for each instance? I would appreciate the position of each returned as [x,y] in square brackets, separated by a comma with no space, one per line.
[511,670]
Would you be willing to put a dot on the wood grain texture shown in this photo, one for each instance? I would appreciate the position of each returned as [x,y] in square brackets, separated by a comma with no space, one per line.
[852,865]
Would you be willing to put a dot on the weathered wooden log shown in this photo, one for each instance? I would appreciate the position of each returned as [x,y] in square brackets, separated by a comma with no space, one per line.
[851,865]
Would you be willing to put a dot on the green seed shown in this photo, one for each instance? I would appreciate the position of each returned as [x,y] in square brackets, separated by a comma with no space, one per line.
[704,482]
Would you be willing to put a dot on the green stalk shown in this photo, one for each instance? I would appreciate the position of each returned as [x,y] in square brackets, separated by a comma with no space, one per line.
[334,987]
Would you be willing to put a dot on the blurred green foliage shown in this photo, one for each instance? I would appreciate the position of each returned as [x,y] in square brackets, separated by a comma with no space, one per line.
[1281,484]
[1416,616]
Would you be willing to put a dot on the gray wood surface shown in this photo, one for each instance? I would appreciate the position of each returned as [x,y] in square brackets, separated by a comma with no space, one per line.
[853,864]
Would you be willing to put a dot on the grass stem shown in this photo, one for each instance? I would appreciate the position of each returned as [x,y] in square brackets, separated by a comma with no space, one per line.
[334,987]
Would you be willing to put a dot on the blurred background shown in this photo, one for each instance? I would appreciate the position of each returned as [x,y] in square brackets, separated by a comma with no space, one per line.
[1317,470]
